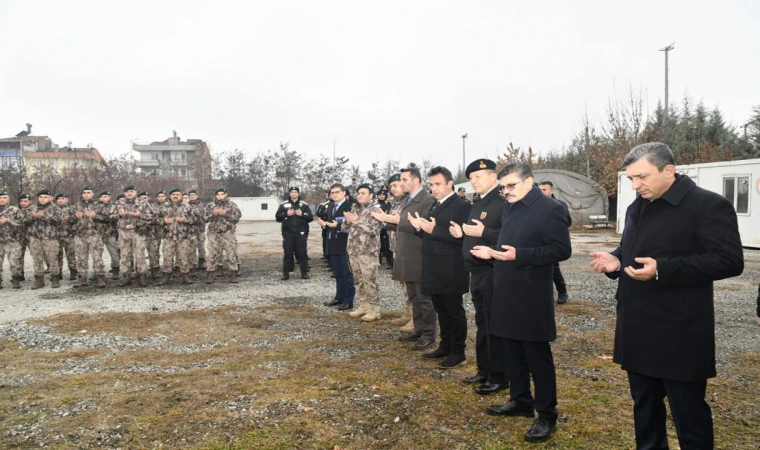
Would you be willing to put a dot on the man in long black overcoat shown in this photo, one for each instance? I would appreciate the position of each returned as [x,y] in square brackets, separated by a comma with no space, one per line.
[678,239]
[534,236]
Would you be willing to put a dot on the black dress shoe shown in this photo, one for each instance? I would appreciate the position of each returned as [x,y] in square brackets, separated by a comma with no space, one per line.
[511,409]
[422,343]
[333,303]
[562,298]
[345,306]
[409,337]
[541,430]
[305,276]
[285,276]
[474,379]
[453,360]
[490,388]
[437,354]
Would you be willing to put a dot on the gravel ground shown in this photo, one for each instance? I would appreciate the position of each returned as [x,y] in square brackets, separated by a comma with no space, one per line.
[260,285]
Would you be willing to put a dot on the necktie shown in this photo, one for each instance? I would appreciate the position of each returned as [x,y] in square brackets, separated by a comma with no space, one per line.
[435,205]
[335,208]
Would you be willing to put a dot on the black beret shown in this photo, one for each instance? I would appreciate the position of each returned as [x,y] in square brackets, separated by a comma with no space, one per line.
[3,192]
[62,194]
[88,188]
[220,190]
[366,186]
[44,192]
[102,193]
[129,188]
[23,196]
[175,190]
[294,188]
[461,189]
[394,177]
[479,164]
[193,191]
[120,196]
[144,193]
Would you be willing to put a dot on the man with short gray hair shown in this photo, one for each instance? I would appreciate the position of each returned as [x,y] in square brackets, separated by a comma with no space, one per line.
[678,239]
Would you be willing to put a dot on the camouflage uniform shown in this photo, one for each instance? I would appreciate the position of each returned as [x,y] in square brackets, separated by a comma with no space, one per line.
[198,254]
[106,226]
[9,244]
[132,231]
[66,235]
[221,235]
[43,237]
[88,240]
[176,241]
[23,241]
[153,238]
[363,250]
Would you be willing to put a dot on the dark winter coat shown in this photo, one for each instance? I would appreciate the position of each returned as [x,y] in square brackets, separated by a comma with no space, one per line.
[407,264]
[523,300]
[666,326]
[487,210]
[294,223]
[443,271]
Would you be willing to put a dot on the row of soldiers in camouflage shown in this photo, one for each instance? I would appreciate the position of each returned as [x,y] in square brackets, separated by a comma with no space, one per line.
[126,229]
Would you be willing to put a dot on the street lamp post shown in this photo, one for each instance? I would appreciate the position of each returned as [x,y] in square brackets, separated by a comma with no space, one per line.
[464,138]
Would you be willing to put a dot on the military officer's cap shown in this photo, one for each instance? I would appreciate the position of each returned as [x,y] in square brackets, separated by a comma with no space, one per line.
[44,192]
[220,190]
[394,177]
[143,193]
[294,188]
[62,194]
[102,193]
[23,196]
[129,188]
[193,191]
[366,186]
[88,188]
[175,190]
[479,164]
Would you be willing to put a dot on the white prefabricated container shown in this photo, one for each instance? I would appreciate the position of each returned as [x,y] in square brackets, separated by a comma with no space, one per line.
[257,208]
[738,181]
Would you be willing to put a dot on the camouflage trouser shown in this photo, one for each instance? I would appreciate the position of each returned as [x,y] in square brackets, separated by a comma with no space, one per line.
[66,244]
[202,244]
[13,250]
[86,246]
[178,249]
[222,247]
[23,246]
[192,255]
[364,268]
[112,246]
[132,244]
[44,251]
[153,244]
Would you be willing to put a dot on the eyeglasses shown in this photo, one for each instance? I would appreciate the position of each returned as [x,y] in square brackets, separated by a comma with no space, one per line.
[510,186]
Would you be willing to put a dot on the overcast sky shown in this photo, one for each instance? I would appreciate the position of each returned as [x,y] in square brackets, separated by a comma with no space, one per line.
[398,79]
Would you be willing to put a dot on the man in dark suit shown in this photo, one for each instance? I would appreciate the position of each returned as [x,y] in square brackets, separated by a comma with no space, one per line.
[336,249]
[534,235]
[483,228]
[547,188]
[444,277]
[678,239]
[407,266]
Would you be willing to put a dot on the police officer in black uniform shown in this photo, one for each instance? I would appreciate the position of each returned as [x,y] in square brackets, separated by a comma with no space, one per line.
[295,216]
[385,244]
[462,193]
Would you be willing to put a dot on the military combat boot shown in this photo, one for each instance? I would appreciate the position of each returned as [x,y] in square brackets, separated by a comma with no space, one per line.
[81,281]
[55,281]
[201,263]
[409,327]
[115,273]
[186,278]
[233,276]
[39,282]
[165,279]
[72,274]
[373,313]
[360,311]
[305,275]
[404,319]
[101,280]
[192,273]
[154,273]
[285,276]
[143,279]
[126,280]
[16,282]
[209,277]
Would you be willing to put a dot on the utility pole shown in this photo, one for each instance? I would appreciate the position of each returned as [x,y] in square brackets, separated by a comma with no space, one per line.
[666,50]
[464,138]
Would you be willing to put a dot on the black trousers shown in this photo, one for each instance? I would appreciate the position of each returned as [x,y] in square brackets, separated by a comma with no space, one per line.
[481,289]
[523,359]
[559,280]
[423,311]
[294,242]
[385,248]
[691,413]
[452,320]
